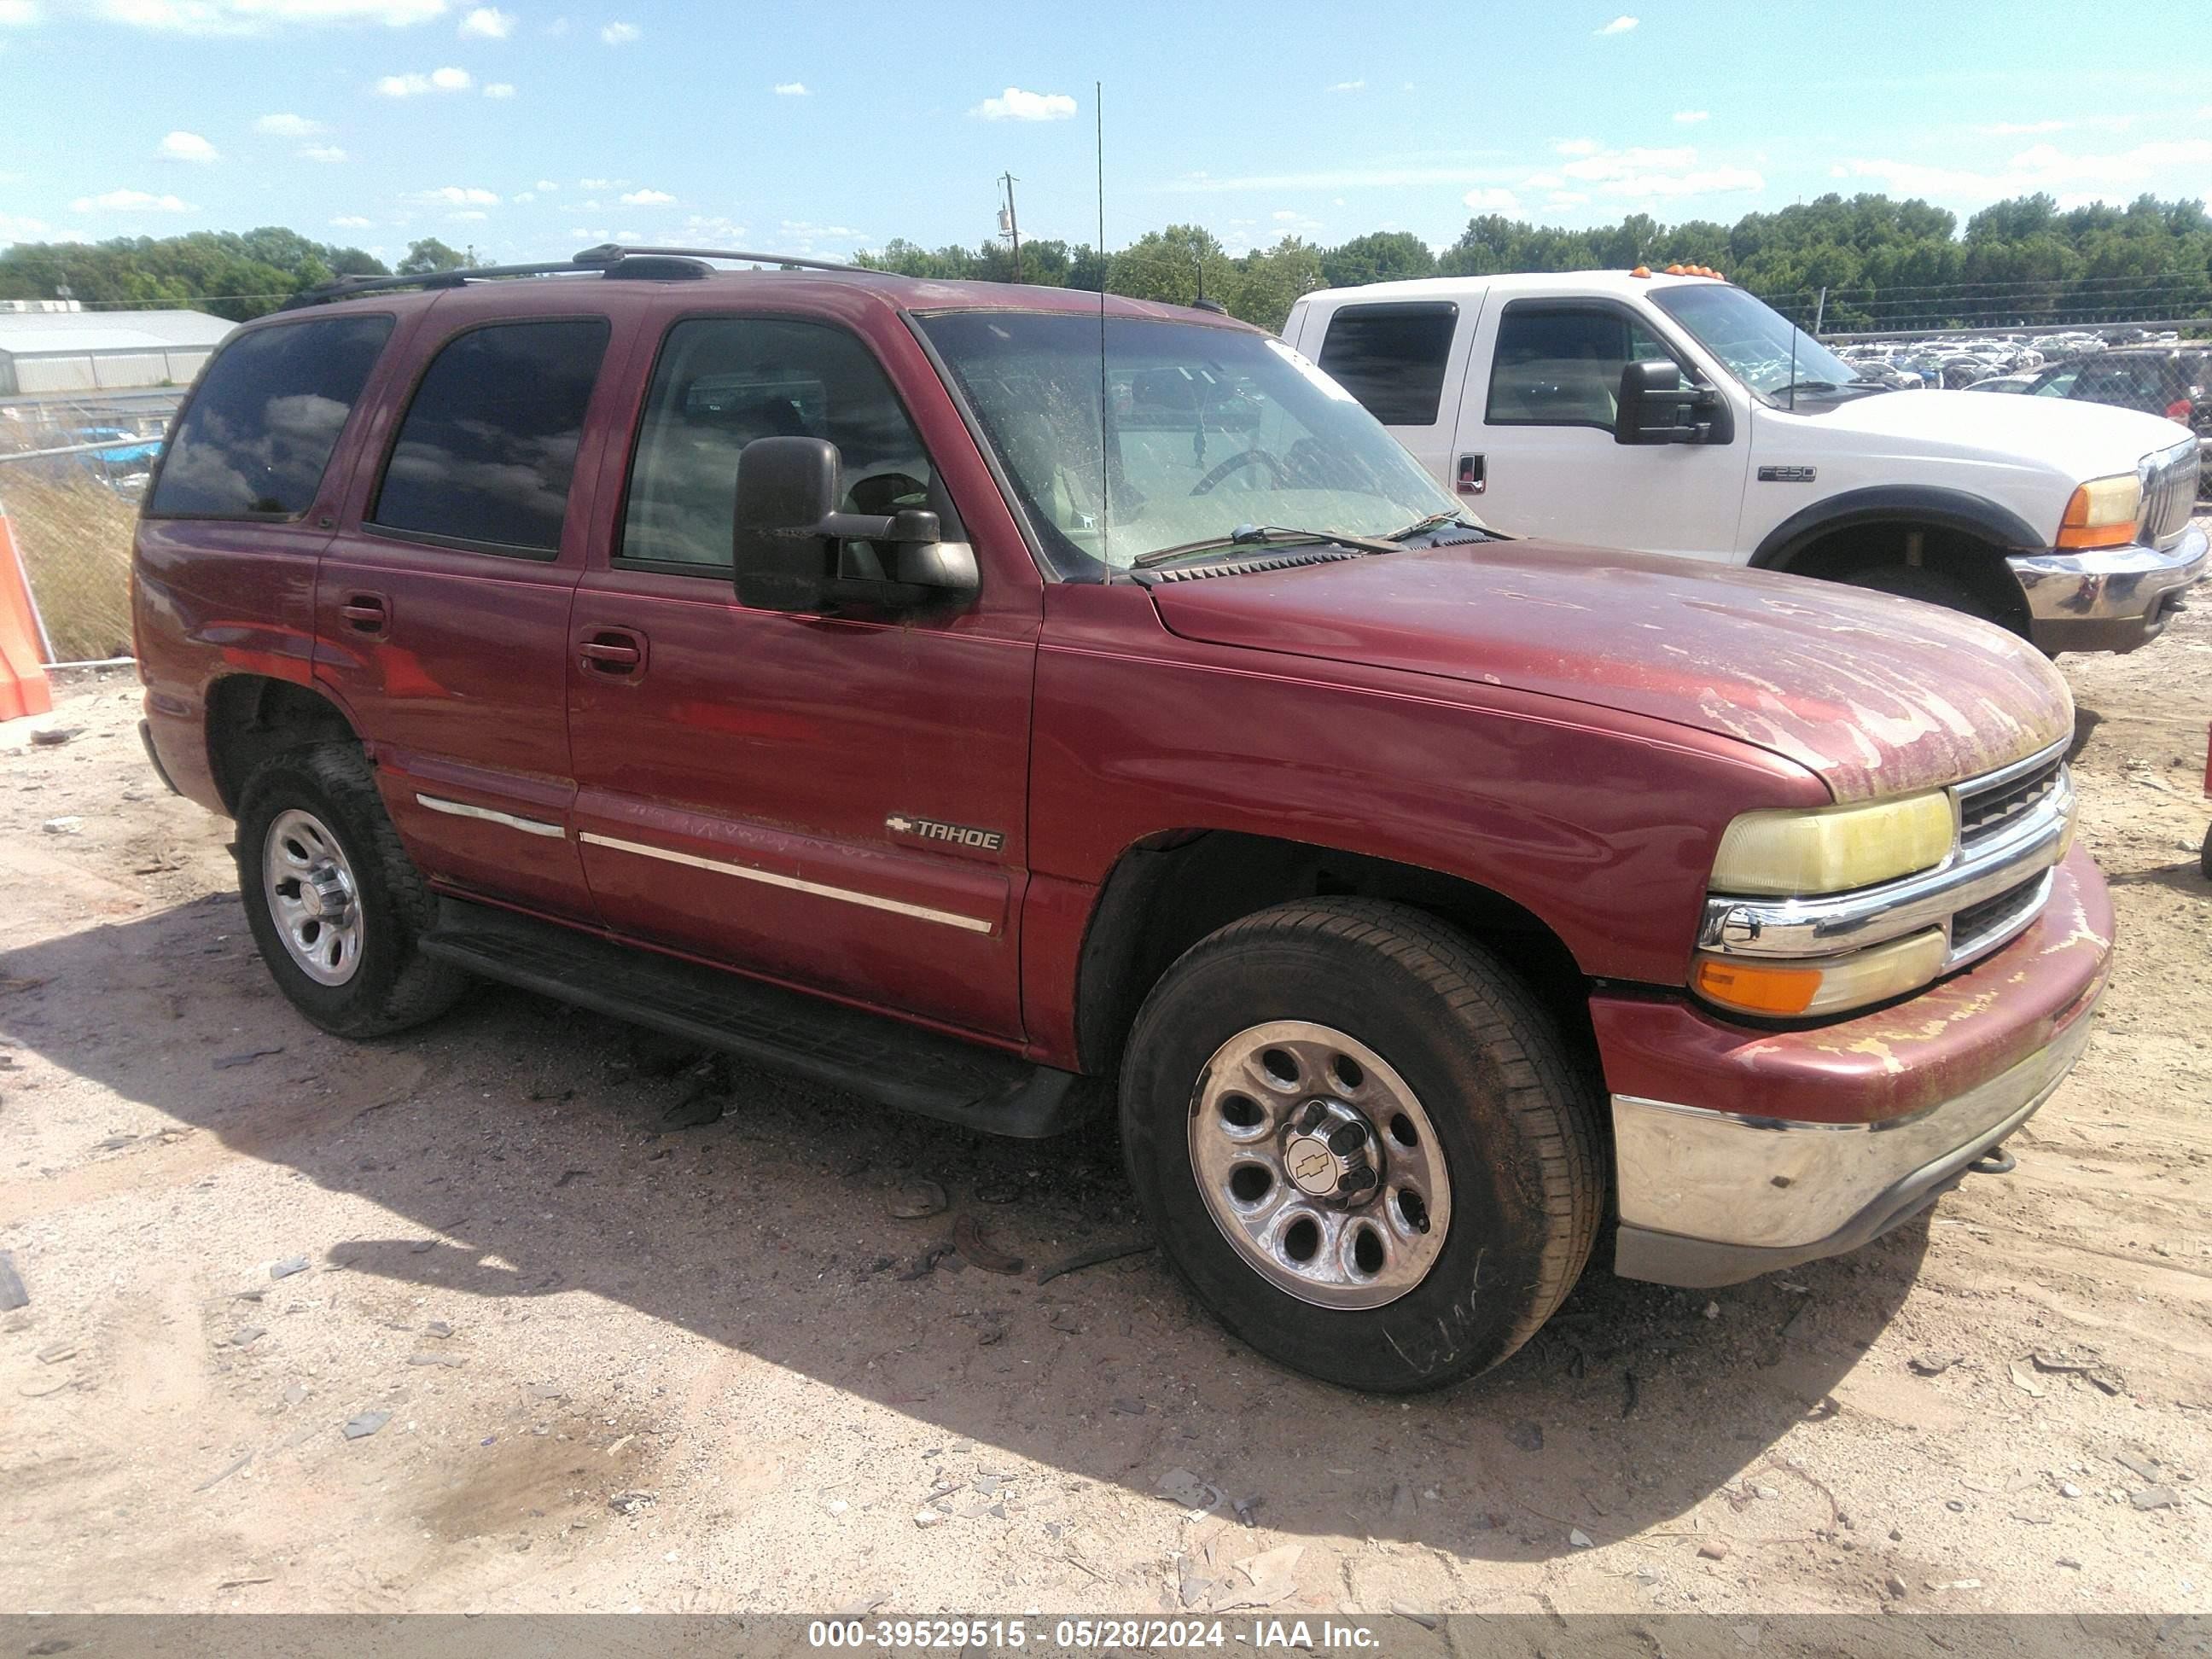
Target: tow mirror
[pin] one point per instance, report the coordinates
(1654, 407)
(789, 543)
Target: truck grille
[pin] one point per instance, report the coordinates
(1986, 810)
(1976, 927)
(2169, 493)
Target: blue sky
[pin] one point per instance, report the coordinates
(532, 127)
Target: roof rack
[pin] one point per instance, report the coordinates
(607, 259)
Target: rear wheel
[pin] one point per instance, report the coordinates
(335, 903)
(1361, 1142)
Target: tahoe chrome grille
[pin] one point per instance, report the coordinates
(2015, 824)
(1987, 804)
(2169, 492)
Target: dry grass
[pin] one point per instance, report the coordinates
(76, 543)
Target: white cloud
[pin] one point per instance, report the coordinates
(351, 222)
(647, 198)
(546, 186)
(415, 85)
(1640, 173)
(489, 23)
(600, 183)
(18, 14)
(792, 89)
(261, 17)
(328, 153)
(522, 196)
(288, 126)
(620, 34)
(499, 89)
(1620, 25)
(187, 147)
(1015, 105)
(1492, 200)
(1543, 181)
(130, 201)
(457, 196)
(2178, 162)
(1690, 117)
(15, 228)
(1349, 86)
(1577, 147)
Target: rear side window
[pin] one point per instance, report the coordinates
(488, 449)
(1392, 358)
(259, 431)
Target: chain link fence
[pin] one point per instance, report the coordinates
(71, 472)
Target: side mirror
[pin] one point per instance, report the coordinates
(787, 542)
(1654, 406)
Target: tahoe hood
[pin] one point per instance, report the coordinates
(1874, 694)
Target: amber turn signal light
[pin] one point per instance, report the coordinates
(1756, 987)
(2102, 512)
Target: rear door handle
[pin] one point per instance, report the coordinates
(613, 651)
(369, 613)
(1471, 477)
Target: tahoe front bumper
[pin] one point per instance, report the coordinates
(2114, 599)
(1739, 1151)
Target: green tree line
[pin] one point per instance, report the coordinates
(225, 272)
(1863, 262)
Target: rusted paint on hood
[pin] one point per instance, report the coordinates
(1876, 694)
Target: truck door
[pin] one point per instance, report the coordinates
(1536, 427)
(1406, 361)
(442, 605)
(838, 802)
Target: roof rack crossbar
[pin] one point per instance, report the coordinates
(602, 259)
(608, 253)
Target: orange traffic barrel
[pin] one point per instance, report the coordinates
(23, 688)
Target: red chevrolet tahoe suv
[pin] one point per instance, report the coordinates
(973, 697)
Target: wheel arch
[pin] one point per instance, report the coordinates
(1962, 535)
(1171, 890)
(251, 717)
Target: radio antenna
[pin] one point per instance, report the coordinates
(1105, 497)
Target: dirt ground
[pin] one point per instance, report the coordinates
(632, 1365)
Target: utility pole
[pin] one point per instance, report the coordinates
(1010, 224)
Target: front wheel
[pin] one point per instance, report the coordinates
(1362, 1143)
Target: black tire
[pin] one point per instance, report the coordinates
(1518, 1122)
(394, 985)
(1930, 587)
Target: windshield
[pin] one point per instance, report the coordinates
(1207, 429)
(1754, 339)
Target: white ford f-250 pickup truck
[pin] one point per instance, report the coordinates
(1678, 414)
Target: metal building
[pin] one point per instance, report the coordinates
(46, 352)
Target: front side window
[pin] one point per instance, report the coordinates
(1194, 431)
(258, 433)
(1560, 365)
(1391, 357)
(722, 382)
(489, 447)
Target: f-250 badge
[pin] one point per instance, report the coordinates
(959, 835)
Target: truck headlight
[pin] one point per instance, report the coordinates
(2102, 512)
(1831, 849)
(1794, 990)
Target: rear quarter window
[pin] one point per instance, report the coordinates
(258, 433)
(1392, 358)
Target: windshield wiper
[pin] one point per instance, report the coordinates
(1434, 521)
(1251, 535)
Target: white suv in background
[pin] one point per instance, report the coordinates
(1678, 414)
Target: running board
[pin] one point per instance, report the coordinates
(882, 1059)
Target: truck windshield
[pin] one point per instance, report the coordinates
(1206, 429)
(1754, 340)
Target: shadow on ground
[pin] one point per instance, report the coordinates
(525, 1147)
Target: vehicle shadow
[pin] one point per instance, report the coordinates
(523, 1145)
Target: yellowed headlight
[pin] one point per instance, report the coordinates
(1833, 849)
(2102, 512)
(1796, 990)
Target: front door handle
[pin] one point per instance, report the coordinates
(1471, 477)
(613, 651)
